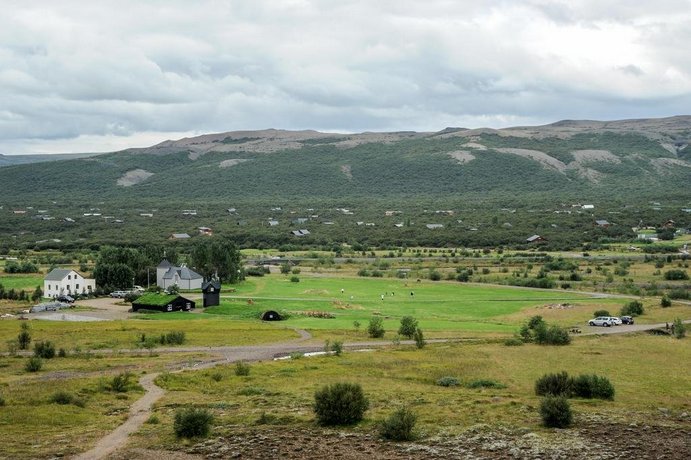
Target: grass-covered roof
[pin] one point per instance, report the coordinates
(153, 298)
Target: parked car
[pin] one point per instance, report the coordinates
(118, 294)
(65, 298)
(605, 321)
(616, 321)
(627, 319)
(138, 289)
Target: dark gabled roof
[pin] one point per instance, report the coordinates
(57, 274)
(164, 264)
(216, 284)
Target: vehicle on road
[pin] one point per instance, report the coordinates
(65, 298)
(616, 321)
(627, 319)
(118, 294)
(605, 321)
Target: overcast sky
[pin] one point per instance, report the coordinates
(83, 76)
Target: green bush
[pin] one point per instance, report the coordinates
(24, 337)
(557, 336)
(554, 385)
(153, 420)
(62, 353)
(679, 328)
(337, 347)
(665, 302)
(2, 401)
(120, 383)
(340, 404)
(673, 275)
(485, 383)
(593, 386)
(448, 381)
(191, 423)
(634, 308)
(408, 326)
(172, 338)
(242, 369)
(61, 397)
(513, 342)
(375, 328)
(294, 279)
(420, 341)
(556, 412)
(34, 364)
(399, 425)
(601, 313)
(44, 350)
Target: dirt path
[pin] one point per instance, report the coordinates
(141, 409)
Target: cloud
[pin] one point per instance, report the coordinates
(72, 72)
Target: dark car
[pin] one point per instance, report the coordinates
(65, 298)
(627, 320)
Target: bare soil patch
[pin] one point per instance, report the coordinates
(134, 177)
(462, 156)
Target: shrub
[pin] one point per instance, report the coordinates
(44, 350)
(242, 369)
(448, 381)
(601, 313)
(557, 336)
(153, 420)
(375, 328)
(556, 412)
(34, 364)
(61, 397)
(634, 308)
(399, 425)
(120, 383)
(665, 302)
(672, 275)
(340, 404)
(24, 337)
(419, 339)
(679, 328)
(435, 275)
(337, 347)
(554, 385)
(2, 400)
(408, 326)
(294, 279)
(679, 294)
(513, 342)
(191, 422)
(593, 386)
(485, 383)
(62, 353)
(173, 338)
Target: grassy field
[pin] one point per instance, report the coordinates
(23, 281)
(647, 372)
(439, 306)
(125, 334)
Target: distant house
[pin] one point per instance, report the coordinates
(535, 239)
(205, 231)
(602, 223)
(189, 212)
(434, 226)
(232, 210)
(669, 224)
(179, 236)
(273, 223)
(168, 275)
(302, 232)
(146, 214)
(588, 206)
(62, 281)
(162, 302)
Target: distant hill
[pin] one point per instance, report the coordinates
(614, 163)
(8, 160)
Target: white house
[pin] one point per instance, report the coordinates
(61, 281)
(167, 275)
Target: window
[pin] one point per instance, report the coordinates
(69, 277)
(76, 287)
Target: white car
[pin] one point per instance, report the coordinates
(605, 321)
(616, 321)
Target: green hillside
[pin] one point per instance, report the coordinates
(474, 173)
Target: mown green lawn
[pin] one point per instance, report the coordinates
(439, 306)
(27, 282)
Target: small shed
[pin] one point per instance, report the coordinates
(162, 302)
(271, 316)
(211, 292)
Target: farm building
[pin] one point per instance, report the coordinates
(535, 239)
(167, 275)
(63, 281)
(162, 302)
(211, 290)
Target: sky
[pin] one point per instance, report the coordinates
(95, 76)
